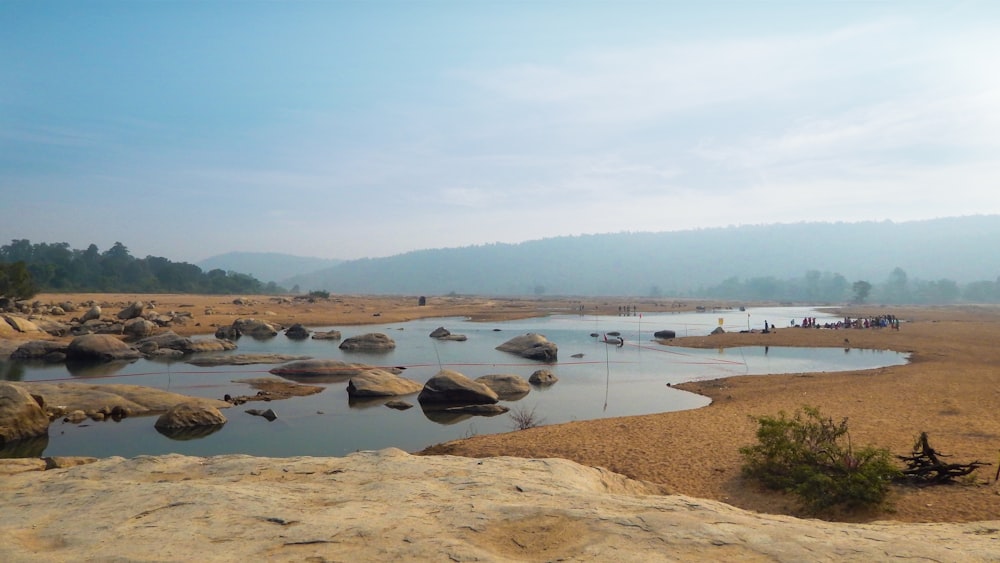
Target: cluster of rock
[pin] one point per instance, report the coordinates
(108, 348)
(137, 319)
(139, 331)
(27, 409)
(448, 390)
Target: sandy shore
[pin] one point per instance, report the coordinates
(950, 389)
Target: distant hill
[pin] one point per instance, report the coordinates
(680, 263)
(266, 266)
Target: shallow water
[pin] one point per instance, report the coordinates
(607, 381)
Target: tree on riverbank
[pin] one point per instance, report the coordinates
(30, 268)
(16, 282)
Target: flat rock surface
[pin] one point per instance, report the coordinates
(390, 505)
(138, 399)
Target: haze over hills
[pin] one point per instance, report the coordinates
(678, 263)
(266, 266)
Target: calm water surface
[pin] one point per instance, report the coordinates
(606, 381)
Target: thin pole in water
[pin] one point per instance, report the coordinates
(607, 381)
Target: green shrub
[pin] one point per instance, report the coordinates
(806, 455)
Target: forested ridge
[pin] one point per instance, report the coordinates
(936, 261)
(55, 267)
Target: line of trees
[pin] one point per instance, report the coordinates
(58, 268)
(825, 287)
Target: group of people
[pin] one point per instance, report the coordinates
(876, 321)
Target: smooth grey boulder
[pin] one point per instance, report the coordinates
(322, 371)
(243, 359)
(92, 314)
(371, 342)
(380, 383)
(531, 346)
(139, 328)
(441, 333)
(21, 324)
(269, 414)
(328, 335)
(55, 328)
(228, 332)
(165, 340)
(255, 328)
(543, 378)
(297, 332)
(508, 386)
(100, 347)
(21, 415)
(209, 345)
(134, 310)
(451, 387)
(40, 350)
(398, 405)
(186, 415)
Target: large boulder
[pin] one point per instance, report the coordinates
(92, 314)
(297, 332)
(21, 324)
(543, 378)
(165, 340)
(100, 347)
(209, 345)
(134, 310)
(380, 383)
(371, 342)
(508, 386)
(441, 333)
(451, 387)
(255, 328)
(52, 327)
(21, 415)
(40, 350)
(531, 346)
(186, 415)
(321, 371)
(328, 335)
(139, 328)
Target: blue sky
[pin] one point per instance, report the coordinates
(352, 129)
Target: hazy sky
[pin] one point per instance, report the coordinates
(350, 129)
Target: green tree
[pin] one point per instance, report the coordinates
(861, 291)
(16, 282)
(897, 286)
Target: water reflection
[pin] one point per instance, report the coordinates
(438, 413)
(362, 403)
(190, 433)
(12, 371)
(28, 447)
(85, 369)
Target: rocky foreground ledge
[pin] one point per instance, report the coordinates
(390, 505)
